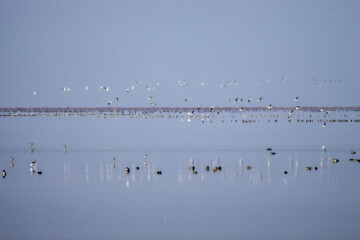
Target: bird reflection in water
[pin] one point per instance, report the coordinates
(67, 173)
(268, 170)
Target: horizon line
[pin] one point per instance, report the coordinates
(171, 109)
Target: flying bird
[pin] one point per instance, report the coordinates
(35, 92)
(187, 99)
(65, 89)
(105, 88)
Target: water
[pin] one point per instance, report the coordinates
(81, 195)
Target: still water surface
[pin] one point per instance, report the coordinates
(85, 194)
(81, 195)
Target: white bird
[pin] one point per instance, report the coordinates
(35, 92)
(296, 99)
(127, 90)
(32, 163)
(202, 84)
(270, 106)
(180, 83)
(105, 88)
(297, 108)
(324, 124)
(150, 98)
(65, 89)
(323, 148)
(260, 99)
(249, 100)
(109, 102)
(86, 88)
(187, 99)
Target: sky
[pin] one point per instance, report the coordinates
(272, 49)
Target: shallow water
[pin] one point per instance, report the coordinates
(81, 195)
(85, 194)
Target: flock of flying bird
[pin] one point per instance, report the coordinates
(179, 83)
(184, 83)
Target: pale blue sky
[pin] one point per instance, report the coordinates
(47, 45)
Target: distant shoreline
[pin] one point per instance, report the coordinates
(171, 109)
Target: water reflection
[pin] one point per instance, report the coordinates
(250, 187)
(269, 170)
